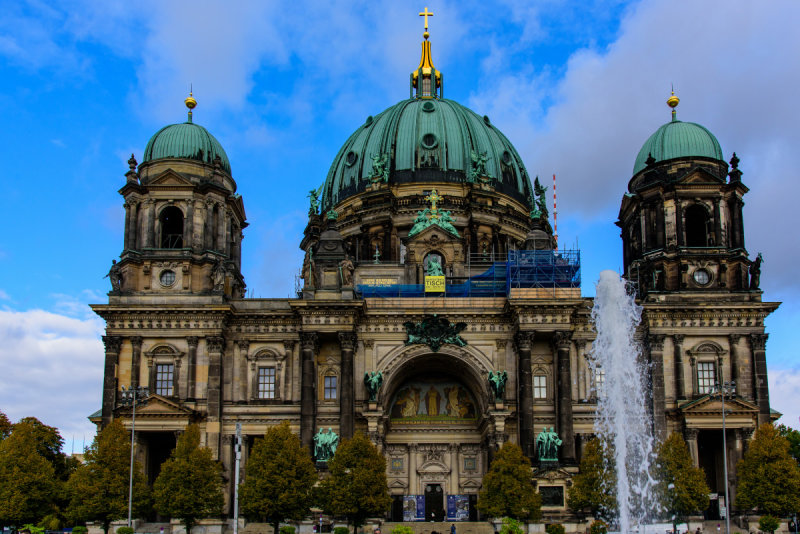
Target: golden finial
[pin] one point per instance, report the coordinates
(672, 102)
(190, 103)
(426, 14)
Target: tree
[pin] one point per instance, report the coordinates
(769, 478)
(279, 478)
(98, 490)
(5, 426)
(793, 437)
(594, 485)
(356, 488)
(681, 485)
(49, 444)
(189, 486)
(28, 486)
(507, 487)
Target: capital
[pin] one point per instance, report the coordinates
(677, 339)
(562, 339)
(308, 340)
(656, 342)
(113, 344)
(524, 340)
(192, 341)
(347, 340)
(136, 342)
(215, 343)
(758, 341)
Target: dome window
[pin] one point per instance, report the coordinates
(429, 141)
(507, 157)
(171, 220)
(428, 106)
(351, 158)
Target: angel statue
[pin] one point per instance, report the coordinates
(314, 195)
(373, 382)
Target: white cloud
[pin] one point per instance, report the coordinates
(784, 385)
(52, 369)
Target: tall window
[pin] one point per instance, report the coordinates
(599, 382)
(706, 377)
(165, 374)
(539, 387)
(696, 226)
(171, 227)
(266, 382)
(330, 387)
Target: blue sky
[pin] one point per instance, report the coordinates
(576, 86)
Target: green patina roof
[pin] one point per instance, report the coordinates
(678, 139)
(185, 140)
(404, 129)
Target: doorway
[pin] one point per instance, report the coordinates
(434, 502)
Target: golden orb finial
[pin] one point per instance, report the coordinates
(190, 103)
(673, 102)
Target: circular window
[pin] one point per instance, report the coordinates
(368, 122)
(429, 140)
(167, 278)
(702, 277)
(428, 106)
(486, 119)
(507, 157)
(351, 158)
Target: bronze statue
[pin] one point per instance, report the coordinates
(497, 382)
(755, 272)
(373, 383)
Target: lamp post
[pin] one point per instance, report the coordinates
(726, 388)
(132, 396)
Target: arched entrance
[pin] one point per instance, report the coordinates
(437, 430)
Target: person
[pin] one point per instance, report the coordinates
(452, 528)
(718, 529)
(698, 531)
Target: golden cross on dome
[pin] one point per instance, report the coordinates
(433, 198)
(426, 14)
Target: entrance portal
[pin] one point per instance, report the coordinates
(434, 502)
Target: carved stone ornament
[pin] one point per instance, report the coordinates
(434, 331)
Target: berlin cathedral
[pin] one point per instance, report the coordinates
(437, 313)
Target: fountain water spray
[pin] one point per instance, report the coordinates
(622, 420)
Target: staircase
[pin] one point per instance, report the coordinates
(442, 527)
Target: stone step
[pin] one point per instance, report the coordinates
(442, 527)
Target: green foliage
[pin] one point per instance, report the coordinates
(793, 437)
(280, 475)
(49, 444)
(125, 530)
(98, 490)
(343, 530)
(28, 485)
(33, 529)
(402, 529)
(286, 529)
(507, 487)
(598, 526)
(5, 426)
(593, 487)
(50, 522)
(769, 478)
(555, 529)
(189, 486)
(511, 526)
(674, 466)
(357, 487)
(80, 530)
(769, 523)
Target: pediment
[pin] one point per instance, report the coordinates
(433, 467)
(712, 406)
(697, 175)
(551, 475)
(434, 234)
(170, 178)
(158, 406)
(470, 483)
(398, 483)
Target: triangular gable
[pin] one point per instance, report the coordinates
(398, 483)
(470, 483)
(712, 406)
(698, 175)
(158, 406)
(170, 178)
(434, 232)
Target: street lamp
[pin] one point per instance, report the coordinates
(131, 397)
(726, 388)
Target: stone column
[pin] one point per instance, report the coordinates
(215, 346)
(717, 224)
(580, 347)
(562, 342)
(412, 469)
(733, 340)
(690, 434)
(227, 230)
(308, 343)
(130, 223)
(136, 357)
(758, 345)
(113, 344)
(209, 225)
(677, 343)
(191, 368)
(220, 228)
(188, 225)
(656, 344)
(347, 341)
(288, 348)
(149, 223)
(227, 455)
(454, 468)
(242, 386)
(177, 384)
(524, 340)
(679, 222)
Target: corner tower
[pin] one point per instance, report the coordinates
(183, 218)
(681, 219)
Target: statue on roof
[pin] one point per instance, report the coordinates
(477, 170)
(755, 272)
(540, 208)
(446, 222)
(380, 168)
(115, 276)
(313, 196)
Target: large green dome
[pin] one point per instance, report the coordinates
(186, 140)
(678, 139)
(425, 140)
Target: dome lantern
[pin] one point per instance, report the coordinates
(426, 79)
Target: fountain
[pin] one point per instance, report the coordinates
(622, 418)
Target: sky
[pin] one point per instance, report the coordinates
(576, 86)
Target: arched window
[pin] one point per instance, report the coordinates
(696, 226)
(171, 219)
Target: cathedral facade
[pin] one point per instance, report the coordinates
(437, 313)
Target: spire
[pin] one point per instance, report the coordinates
(426, 79)
(672, 102)
(190, 103)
